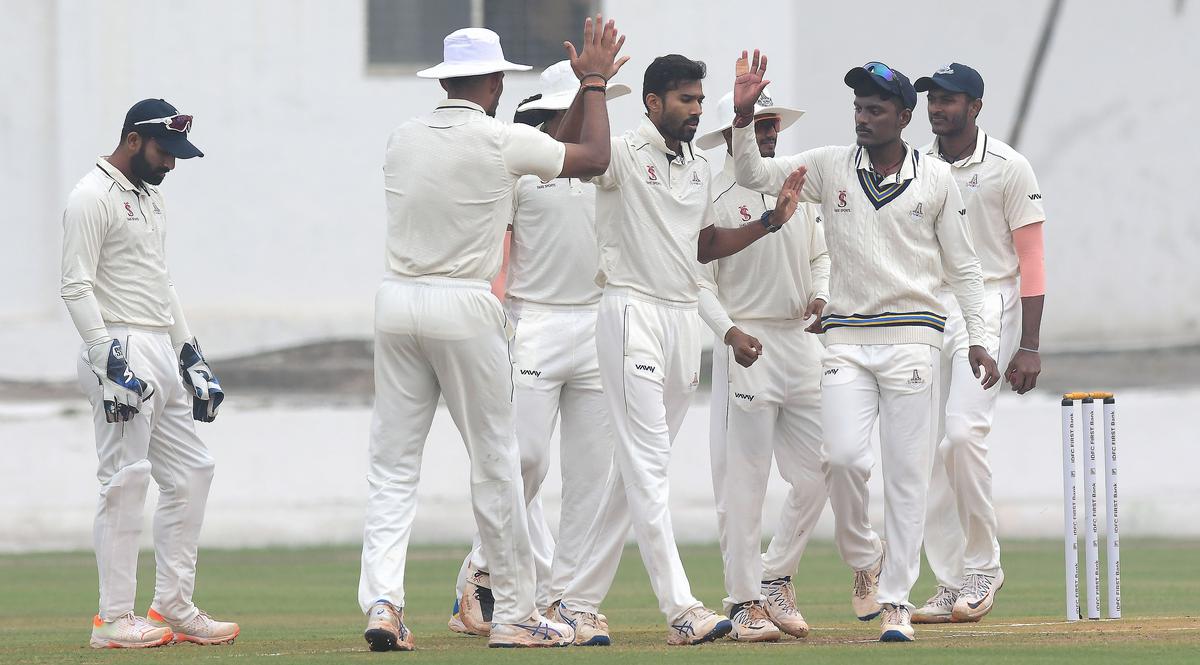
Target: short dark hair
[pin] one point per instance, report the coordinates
(668, 71)
(868, 90)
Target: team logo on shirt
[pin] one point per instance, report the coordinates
(916, 381)
(918, 213)
(695, 178)
(841, 205)
(650, 172)
(744, 211)
(973, 183)
(129, 210)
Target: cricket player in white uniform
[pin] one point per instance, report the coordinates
(1004, 206)
(654, 219)
(766, 395)
(450, 178)
(894, 224)
(551, 295)
(146, 379)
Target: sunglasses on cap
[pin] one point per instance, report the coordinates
(881, 70)
(177, 123)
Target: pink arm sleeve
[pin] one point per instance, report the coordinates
(1031, 256)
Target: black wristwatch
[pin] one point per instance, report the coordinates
(765, 220)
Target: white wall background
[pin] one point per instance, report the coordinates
(277, 234)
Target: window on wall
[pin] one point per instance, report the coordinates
(406, 35)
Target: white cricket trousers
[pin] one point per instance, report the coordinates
(558, 381)
(894, 384)
(960, 526)
(160, 442)
(773, 406)
(649, 352)
(442, 336)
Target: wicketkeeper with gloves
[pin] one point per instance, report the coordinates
(147, 380)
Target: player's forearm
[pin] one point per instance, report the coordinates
(819, 266)
(590, 157)
(717, 243)
(85, 314)
(571, 125)
(713, 313)
(1031, 322)
(751, 169)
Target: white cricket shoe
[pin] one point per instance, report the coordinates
(781, 606)
(938, 608)
(752, 624)
(896, 625)
(536, 631)
(866, 584)
(128, 631)
(590, 630)
(475, 606)
(976, 598)
(552, 610)
(201, 629)
(697, 625)
(386, 630)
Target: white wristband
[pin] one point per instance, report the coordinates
(1023, 348)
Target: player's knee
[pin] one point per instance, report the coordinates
(961, 433)
(130, 475)
(842, 462)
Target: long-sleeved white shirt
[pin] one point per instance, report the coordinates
(773, 279)
(114, 268)
(554, 255)
(650, 207)
(890, 241)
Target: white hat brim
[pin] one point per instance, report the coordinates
(560, 101)
(449, 71)
(715, 138)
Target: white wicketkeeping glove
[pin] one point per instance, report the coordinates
(199, 378)
(123, 392)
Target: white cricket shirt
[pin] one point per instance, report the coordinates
(1002, 195)
(890, 241)
(553, 255)
(650, 207)
(776, 277)
(449, 178)
(114, 248)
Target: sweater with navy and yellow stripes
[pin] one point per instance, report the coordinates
(892, 240)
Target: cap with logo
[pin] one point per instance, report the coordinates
(165, 124)
(559, 85)
(764, 105)
(471, 52)
(885, 78)
(955, 77)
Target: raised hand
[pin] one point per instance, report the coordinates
(749, 83)
(601, 44)
(789, 197)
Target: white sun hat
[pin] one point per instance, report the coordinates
(764, 105)
(471, 52)
(559, 86)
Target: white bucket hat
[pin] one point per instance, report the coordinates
(559, 86)
(764, 105)
(471, 52)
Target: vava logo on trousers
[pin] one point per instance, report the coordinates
(644, 368)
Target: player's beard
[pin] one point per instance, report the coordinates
(683, 131)
(142, 169)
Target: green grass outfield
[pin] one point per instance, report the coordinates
(299, 606)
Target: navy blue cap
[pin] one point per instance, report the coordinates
(955, 77)
(884, 78)
(173, 141)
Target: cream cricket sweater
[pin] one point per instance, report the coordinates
(890, 241)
